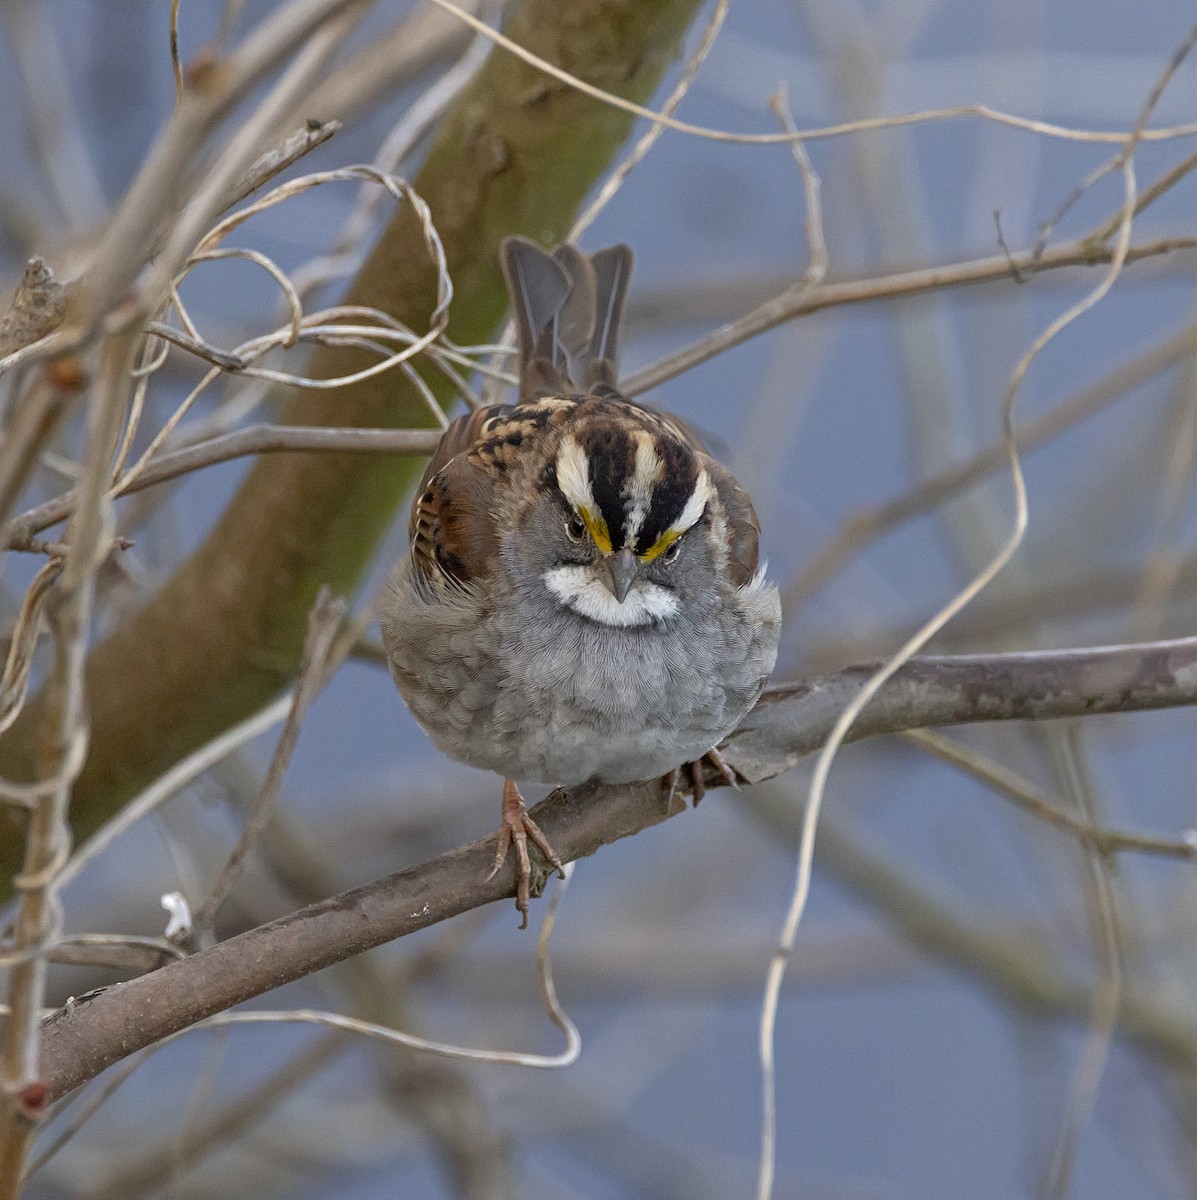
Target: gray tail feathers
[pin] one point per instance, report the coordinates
(567, 308)
(612, 270)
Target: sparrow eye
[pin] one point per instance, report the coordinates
(672, 551)
(575, 527)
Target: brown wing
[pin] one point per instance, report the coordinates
(743, 528)
(453, 530)
(452, 527)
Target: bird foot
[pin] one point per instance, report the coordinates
(672, 782)
(515, 829)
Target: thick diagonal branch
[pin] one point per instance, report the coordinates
(790, 721)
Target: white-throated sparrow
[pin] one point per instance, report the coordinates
(583, 598)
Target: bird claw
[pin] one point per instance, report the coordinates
(672, 781)
(516, 828)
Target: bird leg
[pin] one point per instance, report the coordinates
(516, 828)
(672, 781)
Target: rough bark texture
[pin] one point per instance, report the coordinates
(517, 154)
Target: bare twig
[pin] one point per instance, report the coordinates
(57, 133)
(1015, 273)
(212, 752)
(346, 253)
(276, 160)
(239, 157)
(424, 38)
(323, 622)
(155, 193)
(515, 1058)
(1023, 969)
(1106, 1002)
(176, 59)
(1038, 803)
(179, 776)
(1048, 227)
(255, 439)
(982, 111)
(37, 308)
(40, 407)
(114, 951)
(1162, 563)
(635, 156)
(1109, 227)
(205, 350)
(919, 639)
(47, 838)
(1149, 195)
(816, 243)
(798, 302)
(153, 1172)
(870, 524)
(15, 681)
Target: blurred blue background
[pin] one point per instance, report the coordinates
(913, 1060)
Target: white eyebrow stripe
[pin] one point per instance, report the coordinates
(695, 506)
(638, 489)
(573, 475)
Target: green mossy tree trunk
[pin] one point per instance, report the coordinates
(517, 154)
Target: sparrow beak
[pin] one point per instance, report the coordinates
(621, 570)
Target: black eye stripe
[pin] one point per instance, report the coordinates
(679, 476)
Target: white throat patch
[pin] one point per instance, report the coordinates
(578, 588)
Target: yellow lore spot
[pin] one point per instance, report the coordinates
(661, 544)
(597, 528)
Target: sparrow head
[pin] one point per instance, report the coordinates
(628, 491)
